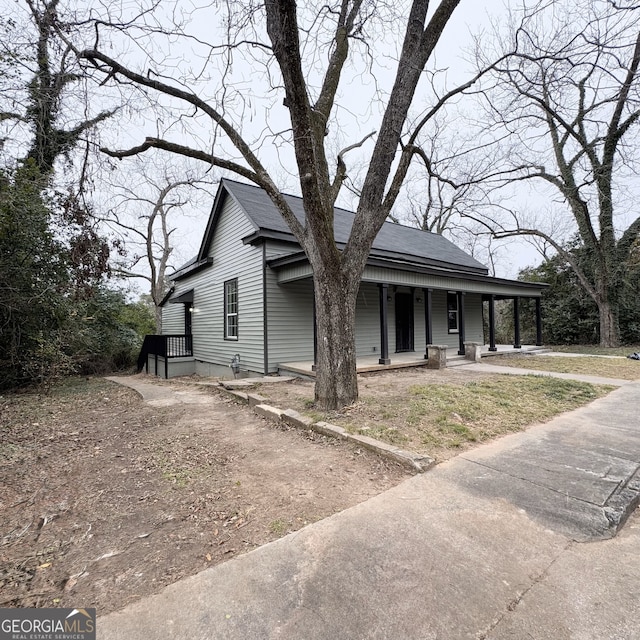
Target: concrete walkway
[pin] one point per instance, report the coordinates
(483, 367)
(484, 546)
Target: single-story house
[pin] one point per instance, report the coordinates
(248, 294)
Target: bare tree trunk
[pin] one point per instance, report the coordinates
(158, 313)
(336, 382)
(609, 329)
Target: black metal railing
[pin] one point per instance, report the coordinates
(165, 346)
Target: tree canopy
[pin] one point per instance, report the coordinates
(564, 107)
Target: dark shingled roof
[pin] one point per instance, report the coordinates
(394, 241)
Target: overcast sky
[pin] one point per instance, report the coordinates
(357, 119)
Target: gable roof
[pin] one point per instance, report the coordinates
(393, 242)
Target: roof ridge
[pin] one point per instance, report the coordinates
(353, 213)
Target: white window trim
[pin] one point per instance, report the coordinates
(235, 314)
(456, 311)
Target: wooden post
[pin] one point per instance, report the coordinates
(461, 338)
(516, 323)
(492, 323)
(384, 336)
(428, 319)
(538, 323)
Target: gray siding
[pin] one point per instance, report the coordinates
(290, 321)
(289, 313)
(368, 320)
(173, 317)
(277, 249)
(231, 259)
(472, 320)
(439, 320)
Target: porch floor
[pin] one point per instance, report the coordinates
(370, 363)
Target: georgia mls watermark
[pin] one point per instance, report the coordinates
(47, 624)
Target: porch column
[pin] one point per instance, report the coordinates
(315, 330)
(516, 323)
(461, 337)
(492, 323)
(428, 319)
(384, 337)
(538, 324)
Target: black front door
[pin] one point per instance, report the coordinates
(404, 322)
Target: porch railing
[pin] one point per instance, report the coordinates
(165, 346)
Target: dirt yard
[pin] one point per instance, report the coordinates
(104, 499)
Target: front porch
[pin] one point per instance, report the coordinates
(367, 364)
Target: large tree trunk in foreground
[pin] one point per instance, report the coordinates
(336, 383)
(609, 328)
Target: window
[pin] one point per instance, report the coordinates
(231, 309)
(452, 312)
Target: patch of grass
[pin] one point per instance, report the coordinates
(279, 527)
(440, 414)
(317, 416)
(596, 350)
(178, 477)
(440, 417)
(448, 416)
(623, 369)
(392, 435)
(10, 453)
(80, 385)
(173, 470)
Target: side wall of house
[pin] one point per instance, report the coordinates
(173, 317)
(289, 314)
(368, 320)
(231, 260)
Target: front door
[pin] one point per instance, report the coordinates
(404, 322)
